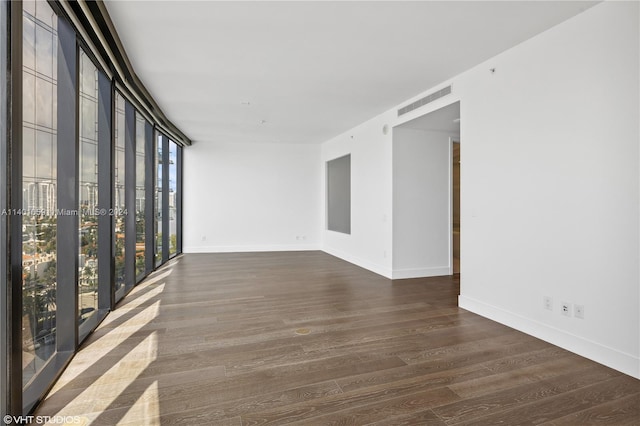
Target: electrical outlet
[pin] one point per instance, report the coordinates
(565, 308)
(578, 311)
(547, 302)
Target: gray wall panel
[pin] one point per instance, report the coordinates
(339, 194)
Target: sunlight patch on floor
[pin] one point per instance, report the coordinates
(146, 410)
(112, 384)
(88, 357)
(135, 302)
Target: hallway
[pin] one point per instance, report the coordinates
(306, 338)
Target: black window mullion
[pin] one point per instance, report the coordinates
(67, 192)
(149, 209)
(106, 299)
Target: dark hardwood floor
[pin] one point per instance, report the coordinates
(305, 338)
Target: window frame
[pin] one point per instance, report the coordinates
(104, 155)
(67, 225)
(16, 398)
(5, 221)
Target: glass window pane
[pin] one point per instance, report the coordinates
(44, 49)
(46, 16)
(39, 189)
(28, 152)
(88, 163)
(158, 203)
(173, 194)
(29, 7)
(119, 185)
(44, 154)
(28, 41)
(89, 117)
(140, 195)
(28, 96)
(88, 76)
(88, 196)
(45, 98)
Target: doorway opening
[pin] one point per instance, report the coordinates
(455, 197)
(423, 192)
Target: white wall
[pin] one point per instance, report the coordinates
(252, 197)
(421, 203)
(550, 185)
(369, 244)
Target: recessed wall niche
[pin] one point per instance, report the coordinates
(339, 194)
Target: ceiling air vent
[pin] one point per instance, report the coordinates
(427, 99)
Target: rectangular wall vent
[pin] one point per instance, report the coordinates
(427, 99)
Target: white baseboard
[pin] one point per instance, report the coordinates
(399, 274)
(623, 362)
(370, 266)
(251, 248)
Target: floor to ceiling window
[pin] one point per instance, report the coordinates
(158, 203)
(88, 196)
(119, 182)
(173, 198)
(141, 127)
(167, 199)
(39, 182)
(78, 182)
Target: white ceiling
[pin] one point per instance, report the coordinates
(303, 72)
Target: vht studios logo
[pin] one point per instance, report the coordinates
(40, 420)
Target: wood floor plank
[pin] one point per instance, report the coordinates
(420, 418)
(588, 397)
(305, 338)
(61, 397)
(621, 411)
(519, 369)
(388, 408)
(307, 412)
(443, 377)
(213, 413)
(502, 400)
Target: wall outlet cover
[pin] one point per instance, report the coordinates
(547, 303)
